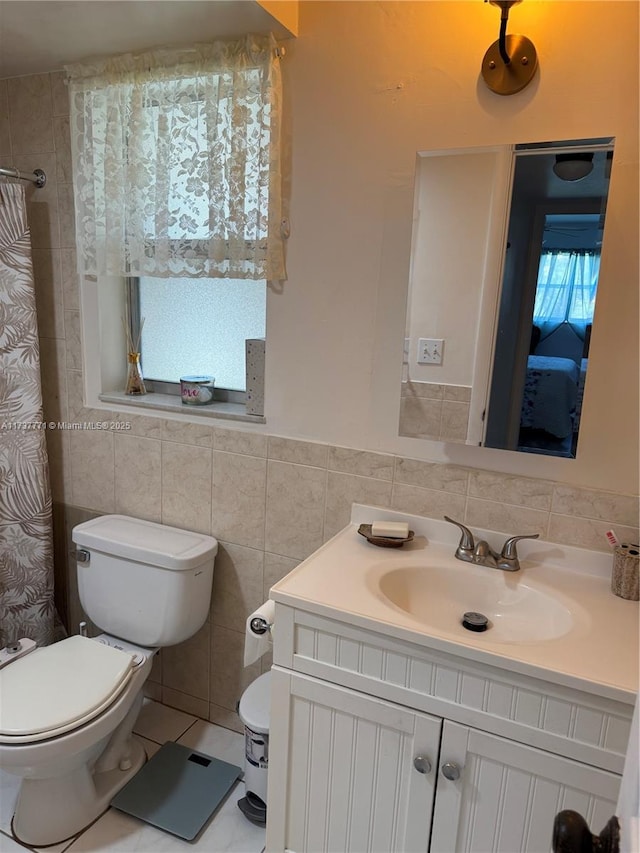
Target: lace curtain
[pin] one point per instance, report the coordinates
(176, 162)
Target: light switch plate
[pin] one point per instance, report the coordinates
(430, 350)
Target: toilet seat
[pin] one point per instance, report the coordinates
(60, 687)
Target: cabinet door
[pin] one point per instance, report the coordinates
(508, 794)
(341, 770)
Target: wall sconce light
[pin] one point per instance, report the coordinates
(511, 62)
(573, 167)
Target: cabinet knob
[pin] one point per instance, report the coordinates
(422, 764)
(450, 771)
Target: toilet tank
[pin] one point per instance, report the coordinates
(144, 582)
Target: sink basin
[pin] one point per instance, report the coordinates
(438, 596)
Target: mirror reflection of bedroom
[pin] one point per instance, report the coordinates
(548, 297)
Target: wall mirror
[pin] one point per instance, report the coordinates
(503, 283)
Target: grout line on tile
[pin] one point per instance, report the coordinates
(15, 840)
(75, 838)
(325, 502)
(264, 517)
(189, 727)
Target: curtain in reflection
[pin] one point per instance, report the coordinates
(26, 546)
(566, 290)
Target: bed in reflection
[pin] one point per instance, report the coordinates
(550, 395)
(552, 403)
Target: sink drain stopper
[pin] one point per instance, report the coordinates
(475, 621)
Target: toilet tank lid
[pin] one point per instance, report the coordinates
(145, 542)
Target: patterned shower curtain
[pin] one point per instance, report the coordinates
(26, 545)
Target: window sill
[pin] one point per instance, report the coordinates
(155, 402)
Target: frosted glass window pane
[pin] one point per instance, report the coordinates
(199, 326)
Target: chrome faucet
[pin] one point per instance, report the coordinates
(482, 554)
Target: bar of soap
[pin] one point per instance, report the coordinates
(390, 529)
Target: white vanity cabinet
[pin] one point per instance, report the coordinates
(365, 729)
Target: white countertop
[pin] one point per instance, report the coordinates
(599, 653)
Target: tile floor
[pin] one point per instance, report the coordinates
(116, 832)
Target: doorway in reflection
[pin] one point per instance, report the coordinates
(547, 302)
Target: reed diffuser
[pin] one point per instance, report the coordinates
(135, 382)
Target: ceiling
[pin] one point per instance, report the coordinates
(44, 35)
(535, 178)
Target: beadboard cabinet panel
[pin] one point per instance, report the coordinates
(351, 785)
(508, 793)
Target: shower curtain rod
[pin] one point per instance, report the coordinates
(38, 177)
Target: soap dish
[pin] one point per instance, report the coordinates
(383, 541)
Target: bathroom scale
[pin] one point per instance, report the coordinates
(177, 790)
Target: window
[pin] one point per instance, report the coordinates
(566, 289)
(177, 191)
(198, 326)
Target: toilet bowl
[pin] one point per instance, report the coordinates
(68, 709)
(72, 748)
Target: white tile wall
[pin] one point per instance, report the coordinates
(431, 410)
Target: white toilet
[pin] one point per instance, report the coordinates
(67, 710)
